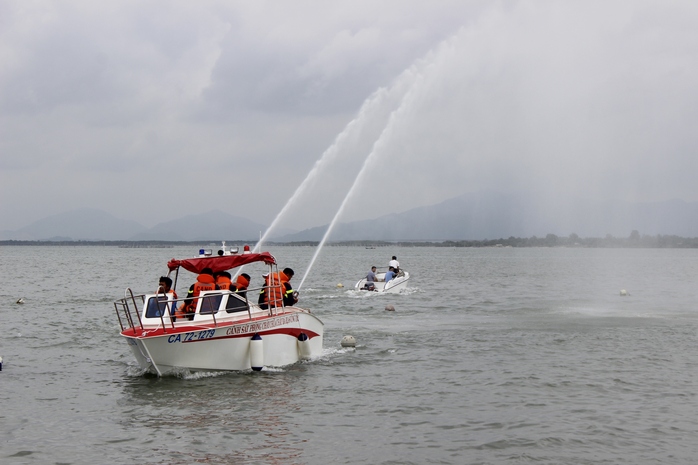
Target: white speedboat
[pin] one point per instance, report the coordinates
(395, 285)
(228, 330)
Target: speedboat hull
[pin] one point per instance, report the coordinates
(286, 338)
(218, 330)
(393, 286)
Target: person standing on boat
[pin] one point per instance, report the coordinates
(277, 290)
(272, 293)
(371, 279)
(290, 297)
(395, 264)
(204, 282)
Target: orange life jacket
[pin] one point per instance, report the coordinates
(174, 294)
(204, 282)
(241, 283)
(223, 282)
(274, 294)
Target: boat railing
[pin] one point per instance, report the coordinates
(132, 310)
(123, 311)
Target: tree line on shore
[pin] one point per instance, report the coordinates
(634, 240)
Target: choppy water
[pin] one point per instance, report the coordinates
(492, 356)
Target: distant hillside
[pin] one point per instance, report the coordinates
(212, 225)
(487, 215)
(80, 224)
(476, 216)
(90, 224)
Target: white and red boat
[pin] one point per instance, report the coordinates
(394, 286)
(228, 331)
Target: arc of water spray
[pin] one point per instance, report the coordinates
(406, 103)
(369, 106)
(408, 100)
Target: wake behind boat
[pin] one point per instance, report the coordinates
(225, 331)
(394, 286)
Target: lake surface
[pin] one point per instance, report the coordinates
(492, 356)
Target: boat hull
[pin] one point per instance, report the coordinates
(393, 286)
(228, 346)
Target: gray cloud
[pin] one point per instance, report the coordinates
(152, 110)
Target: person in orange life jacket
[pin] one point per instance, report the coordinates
(239, 288)
(290, 297)
(223, 280)
(277, 290)
(204, 282)
(165, 287)
(241, 284)
(272, 293)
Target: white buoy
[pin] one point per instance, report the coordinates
(623, 292)
(389, 308)
(256, 352)
(303, 346)
(340, 285)
(348, 341)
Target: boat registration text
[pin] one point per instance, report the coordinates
(261, 325)
(248, 328)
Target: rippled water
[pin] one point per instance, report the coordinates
(492, 356)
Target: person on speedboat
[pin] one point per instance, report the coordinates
(241, 284)
(239, 287)
(390, 274)
(223, 280)
(395, 264)
(204, 282)
(290, 296)
(165, 287)
(371, 279)
(279, 289)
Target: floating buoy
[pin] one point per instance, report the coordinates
(20, 300)
(304, 346)
(340, 285)
(348, 341)
(623, 292)
(389, 308)
(256, 352)
(0, 363)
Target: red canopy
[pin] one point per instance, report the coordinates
(220, 262)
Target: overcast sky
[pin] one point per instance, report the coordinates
(151, 110)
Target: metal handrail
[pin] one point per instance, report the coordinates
(126, 306)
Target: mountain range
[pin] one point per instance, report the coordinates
(474, 216)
